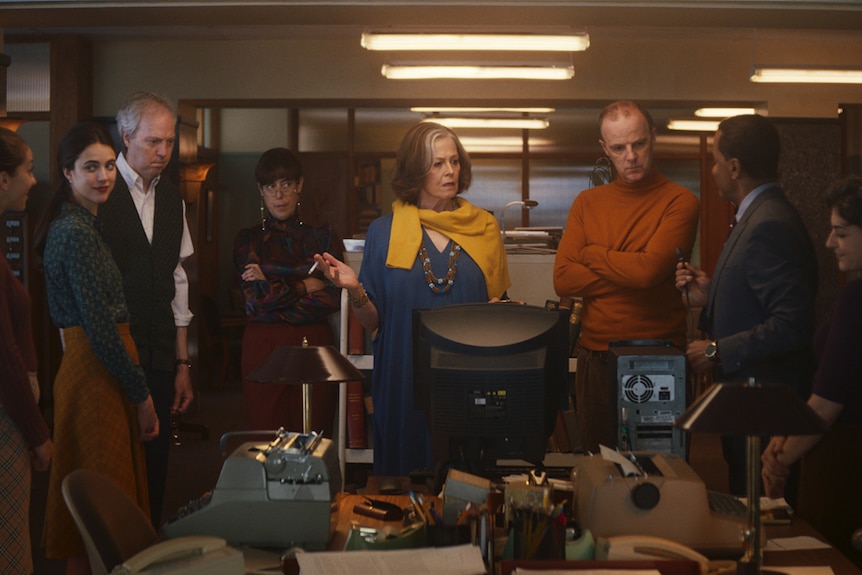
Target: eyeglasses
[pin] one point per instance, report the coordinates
(284, 186)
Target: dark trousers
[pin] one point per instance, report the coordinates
(596, 417)
(161, 385)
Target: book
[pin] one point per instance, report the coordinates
(356, 435)
(355, 335)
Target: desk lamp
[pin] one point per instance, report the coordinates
(752, 410)
(525, 203)
(305, 365)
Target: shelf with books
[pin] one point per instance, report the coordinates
(368, 194)
(354, 403)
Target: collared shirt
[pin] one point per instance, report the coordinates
(145, 203)
(750, 197)
(84, 288)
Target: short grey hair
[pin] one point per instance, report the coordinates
(129, 116)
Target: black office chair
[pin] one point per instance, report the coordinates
(118, 535)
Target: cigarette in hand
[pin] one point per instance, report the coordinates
(314, 267)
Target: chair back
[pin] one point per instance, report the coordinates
(111, 524)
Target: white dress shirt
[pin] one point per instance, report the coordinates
(145, 203)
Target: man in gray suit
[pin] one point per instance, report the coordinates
(758, 308)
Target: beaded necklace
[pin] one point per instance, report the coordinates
(444, 284)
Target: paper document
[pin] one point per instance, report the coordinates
(457, 560)
(821, 570)
(525, 571)
(767, 503)
(795, 543)
(629, 468)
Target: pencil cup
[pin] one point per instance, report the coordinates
(546, 543)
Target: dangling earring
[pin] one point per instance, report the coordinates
(262, 215)
(298, 216)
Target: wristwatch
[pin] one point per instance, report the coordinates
(711, 351)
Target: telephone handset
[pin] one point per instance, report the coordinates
(646, 547)
(169, 549)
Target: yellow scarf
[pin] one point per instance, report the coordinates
(473, 228)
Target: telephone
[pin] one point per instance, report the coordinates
(647, 547)
(197, 553)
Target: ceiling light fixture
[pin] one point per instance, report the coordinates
(495, 123)
(476, 42)
(722, 112)
(693, 125)
(453, 110)
(407, 72)
(798, 75)
(499, 143)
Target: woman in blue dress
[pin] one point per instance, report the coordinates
(435, 249)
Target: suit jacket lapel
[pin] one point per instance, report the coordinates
(735, 234)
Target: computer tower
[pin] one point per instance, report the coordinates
(649, 392)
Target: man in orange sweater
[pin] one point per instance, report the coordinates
(618, 253)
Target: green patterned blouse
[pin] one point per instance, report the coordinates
(85, 289)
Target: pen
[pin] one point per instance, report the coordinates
(465, 513)
(436, 518)
(313, 267)
(418, 506)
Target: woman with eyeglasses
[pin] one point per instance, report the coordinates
(283, 301)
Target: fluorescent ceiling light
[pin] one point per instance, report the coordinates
(673, 140)
(499, 144)
(396, 72)
(477, 42)
(693, 125)
(450, 110)
(806, 75)
(510, 123)
(722, 112)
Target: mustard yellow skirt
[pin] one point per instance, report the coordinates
(96, 428)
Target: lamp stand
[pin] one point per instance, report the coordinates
(752, 561)
(306, 366)
(306, 407)
(306, 399)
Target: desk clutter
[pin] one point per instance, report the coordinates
(282, 495)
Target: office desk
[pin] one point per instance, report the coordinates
(343, 518)
(840, 564)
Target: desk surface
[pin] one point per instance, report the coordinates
(344, 517)
(840, 564)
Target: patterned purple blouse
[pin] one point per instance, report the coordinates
(285, 252)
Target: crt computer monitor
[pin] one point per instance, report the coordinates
(490, 378)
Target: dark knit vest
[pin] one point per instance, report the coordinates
(147, 270)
